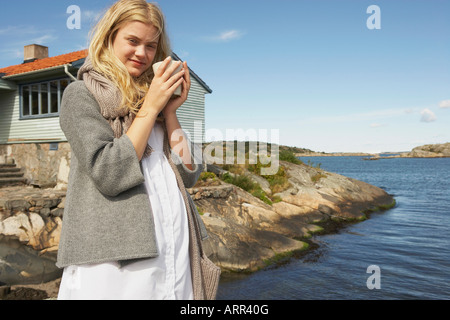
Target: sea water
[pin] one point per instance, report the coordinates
(409, 245)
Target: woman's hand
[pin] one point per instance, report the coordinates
(175, 102)
(161, 90)
(163, 87)
(177, 140)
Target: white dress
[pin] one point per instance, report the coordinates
(166, 277)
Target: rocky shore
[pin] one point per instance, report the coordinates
(245, 233)
(426, 151)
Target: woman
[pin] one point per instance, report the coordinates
(130, 230)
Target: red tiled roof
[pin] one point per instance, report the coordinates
(44, 63)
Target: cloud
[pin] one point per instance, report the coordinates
(18, 30)
(427, 115)
(21, 35)
(44, 39)
(14, 38)
(12, 53)
(183, 54)
(377, 125)
(230, 35)
(91, 16)
(226, 36)
(444, 104)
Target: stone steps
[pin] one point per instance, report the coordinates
(11, 175)
(9, 168)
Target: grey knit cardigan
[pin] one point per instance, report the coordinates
(107, 215)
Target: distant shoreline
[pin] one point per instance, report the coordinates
(426, 151)
(340, 154)
(369, 156)
(405, 157)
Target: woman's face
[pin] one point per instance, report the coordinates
(135, 45)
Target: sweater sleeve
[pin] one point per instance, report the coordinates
(111, 163)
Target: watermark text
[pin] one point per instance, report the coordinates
(374, 21)
(74, 20)
(374, 281)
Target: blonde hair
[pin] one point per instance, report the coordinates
(105, 61)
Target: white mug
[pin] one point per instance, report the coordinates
(156, 66)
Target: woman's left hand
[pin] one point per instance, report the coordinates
(177, 101)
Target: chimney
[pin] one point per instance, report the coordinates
(34, 52)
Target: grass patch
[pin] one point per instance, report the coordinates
(246, 183)
(200, 211)
(207, 179)
(278, 182)
(382, 207)
(319, 175)
(278, 258)
(282, 257)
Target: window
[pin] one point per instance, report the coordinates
(42, 99)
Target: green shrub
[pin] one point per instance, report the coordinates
(289, 156)
(247, 184)
(278, 182)
(241, 181)
(207, 175)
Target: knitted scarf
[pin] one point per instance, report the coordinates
(109, 98)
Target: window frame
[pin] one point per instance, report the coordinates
(39, 85)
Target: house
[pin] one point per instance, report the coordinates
(30, 100)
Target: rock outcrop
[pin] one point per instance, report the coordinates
(430, 151)
(426, 151)
(244, 231)
(30, 227)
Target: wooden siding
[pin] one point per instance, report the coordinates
(192, 113)
(14, 130)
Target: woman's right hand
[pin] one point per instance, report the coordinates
(161, 90)
(163, 86)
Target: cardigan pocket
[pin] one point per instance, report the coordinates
(211, 277)
(210, 272)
